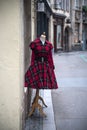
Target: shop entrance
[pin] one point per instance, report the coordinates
(66, 39)
(58, 37)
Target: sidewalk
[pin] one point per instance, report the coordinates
(37, 122)
(70, 100)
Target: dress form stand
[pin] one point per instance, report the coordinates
(35, 104)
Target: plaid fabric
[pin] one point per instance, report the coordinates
(40, 76)
(40, 50)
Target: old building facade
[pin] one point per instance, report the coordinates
(61, 25)
(79, 24)
(70, 25)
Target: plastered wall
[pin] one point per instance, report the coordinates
(11, 65)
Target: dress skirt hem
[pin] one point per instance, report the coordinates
(40, 76)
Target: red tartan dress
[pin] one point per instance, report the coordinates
(40, 74)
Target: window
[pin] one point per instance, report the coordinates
(76, 36)
(58, 4)
(64, 4)
(59, 31)
(67, 5)
(77, 4)
(85, 2)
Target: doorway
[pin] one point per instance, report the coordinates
(84, 37)
(58, 37)
(66, 39)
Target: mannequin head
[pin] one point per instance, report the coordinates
(43, 37)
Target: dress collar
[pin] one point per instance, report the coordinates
(42, 43)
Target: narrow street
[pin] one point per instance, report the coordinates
(70, 100)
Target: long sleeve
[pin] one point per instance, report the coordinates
(50, 60)
(32, 46)
(32, 57)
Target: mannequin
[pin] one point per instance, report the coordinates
(40, 74)
(43, 38)
(35, 103)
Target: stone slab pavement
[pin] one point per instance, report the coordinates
(70, 100)
(37, 122)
